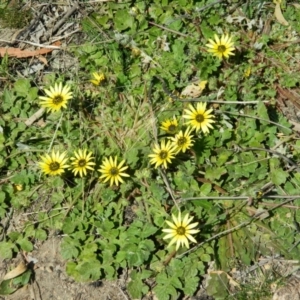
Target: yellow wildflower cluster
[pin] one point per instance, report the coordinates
(55, 163)
(82, 161)
(198, 118)
(59, 95)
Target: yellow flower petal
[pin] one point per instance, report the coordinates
(163, 154)
(113, 172)
(54, 164)
(180, 231)
(82, 162)
(58, 97)
(199, 118)
(223, 47)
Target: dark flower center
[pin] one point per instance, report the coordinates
(181, 230)
(114, 171)
(221, 48)
(81, 163)
(57, 99)
(54, 166)
(163, 154)
(199, 118)
(172, 128)
(181, 141)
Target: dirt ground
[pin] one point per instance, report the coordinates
(51, 281)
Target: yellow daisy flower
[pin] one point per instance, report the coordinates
(170, 125)
(199, 117)
(134, 11)
(135, 51)
(221, 47)
(181, 231)
(163, 154)
(247, 72)
(98, 78)
(183, 141)
(58, 97)
(82, 162)
(54, 164)
(113, 171)
(202, 84)
(17, 187)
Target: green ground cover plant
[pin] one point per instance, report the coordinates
(165, 152)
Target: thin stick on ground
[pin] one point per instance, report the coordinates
(35, 117)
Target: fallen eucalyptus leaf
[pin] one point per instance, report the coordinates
(194, 90)
(21, 268)
(278, 13)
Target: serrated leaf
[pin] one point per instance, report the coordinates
(146, 246)
(190, 285)
(25, 244)
(69, 249)
(205, 257)
(69, 226)
(132, 157)
(79, 235)
(262, 111)
(108, 255)
(121, 256)
(41, 234)
(157, 264)
(22, 86)
(175, 268)
(2, 196)
(163, 292)
(217, 285)
(175, 281)
(135, 258)
(32, 94)
(110, 271)
(213, 173)
(123, 20)
(223, 157)
(279, 177)
(89, 270)
(88, 252)
(136, 287)
(205, 189)
(6, 249)
(71, 268)
(148, 230)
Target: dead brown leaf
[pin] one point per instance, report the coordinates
(16, 52)
(20, 269)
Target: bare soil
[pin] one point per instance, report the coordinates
(50, 280)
